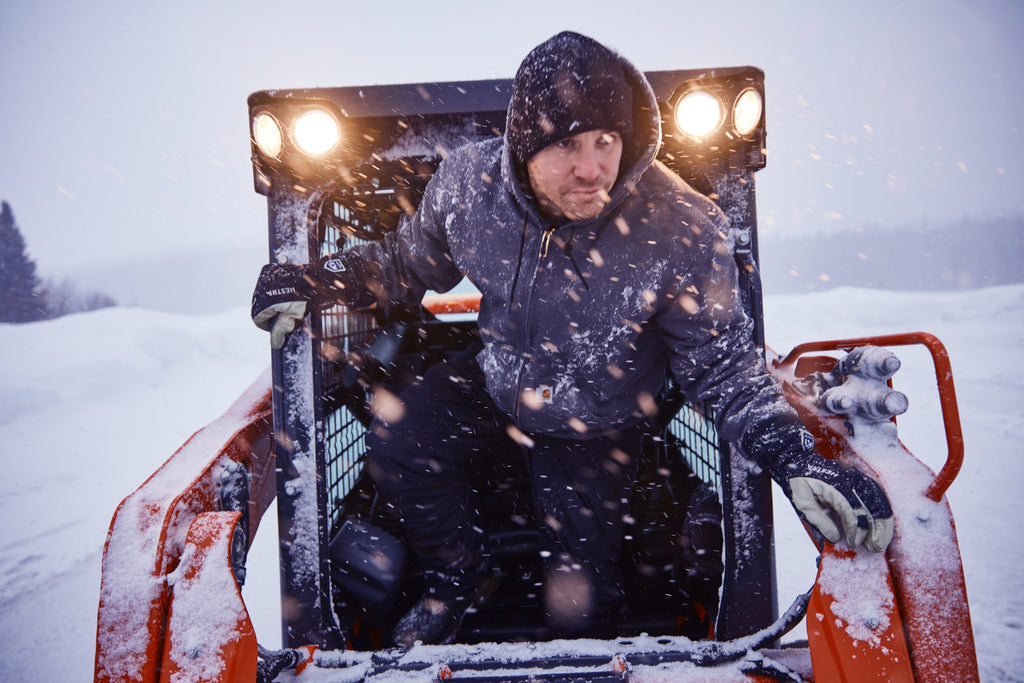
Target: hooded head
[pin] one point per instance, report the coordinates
(569, 84)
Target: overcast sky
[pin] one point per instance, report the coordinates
(125, 124)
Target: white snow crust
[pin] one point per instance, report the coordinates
(206, 611)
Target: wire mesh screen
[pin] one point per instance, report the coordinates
(698, 440)
(344, 448)
(342, 332)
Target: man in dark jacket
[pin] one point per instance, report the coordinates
(600, 271)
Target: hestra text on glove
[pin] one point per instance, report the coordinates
(277, 284)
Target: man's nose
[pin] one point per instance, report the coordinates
(588, 164)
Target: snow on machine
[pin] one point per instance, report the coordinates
(341, 165)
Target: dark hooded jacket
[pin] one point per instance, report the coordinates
(581, 321)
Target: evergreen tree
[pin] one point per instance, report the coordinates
(18, 280)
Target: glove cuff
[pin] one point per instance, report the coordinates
(344, 277)
(778, 444)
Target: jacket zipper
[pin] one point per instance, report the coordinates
(542, 253)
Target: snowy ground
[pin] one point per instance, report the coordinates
(91, 404)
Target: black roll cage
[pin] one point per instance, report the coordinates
(393, 137)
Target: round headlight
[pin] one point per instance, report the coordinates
(698, 113)
(316, 132)
(267, 134)
(746, 112)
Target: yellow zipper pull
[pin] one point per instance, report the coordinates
(545, 242)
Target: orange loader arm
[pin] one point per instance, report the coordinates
(917, 624)
(164, 536)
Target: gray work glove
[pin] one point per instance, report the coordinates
(837, 501)
(279, 300)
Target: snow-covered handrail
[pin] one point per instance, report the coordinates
(943, 377)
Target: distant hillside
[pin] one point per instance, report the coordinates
(210, 280)
(960, 255)
(923, 258)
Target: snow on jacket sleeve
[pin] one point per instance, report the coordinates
(714, 359)
(416, 257)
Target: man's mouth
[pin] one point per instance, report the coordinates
(588, 192)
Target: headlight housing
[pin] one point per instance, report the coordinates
(316, 132)
(698, 113)
(266, 133)
(746, 111)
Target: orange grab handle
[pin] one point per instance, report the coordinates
(452, 303)
(943, 376)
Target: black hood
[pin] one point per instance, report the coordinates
(570, 84)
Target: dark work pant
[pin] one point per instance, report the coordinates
(421, 462)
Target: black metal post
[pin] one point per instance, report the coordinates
(749, 591)
(306, 612)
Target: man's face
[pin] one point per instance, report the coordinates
(572, 177)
